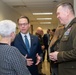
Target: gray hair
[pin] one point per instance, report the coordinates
(67, 5)
(7, 27)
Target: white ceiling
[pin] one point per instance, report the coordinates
(27, 7)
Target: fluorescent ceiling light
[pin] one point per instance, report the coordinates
(42, 13)
(45, 22)
(44, 18)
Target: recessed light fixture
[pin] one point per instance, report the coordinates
(19, 6)
(44, 18)
(42, 13)
(45, 22)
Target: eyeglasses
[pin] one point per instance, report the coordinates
(23, 24)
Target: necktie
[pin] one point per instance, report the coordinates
(27, 44)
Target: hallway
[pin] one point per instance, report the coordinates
(46, 66)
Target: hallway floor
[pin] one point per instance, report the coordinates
(46, 66)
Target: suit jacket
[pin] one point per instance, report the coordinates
(11, 61)
(35, 48)
(46, 40)
(67, 48)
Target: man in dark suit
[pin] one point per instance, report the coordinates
(39, 33)
(46, 40)
(66, 52)
(33, 56)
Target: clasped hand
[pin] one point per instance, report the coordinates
(53, 55)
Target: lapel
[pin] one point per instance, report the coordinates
(22, 42)
(32, 43)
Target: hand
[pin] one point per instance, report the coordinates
(43, 47)
(38, 59)
(53, 56)
(29, 61)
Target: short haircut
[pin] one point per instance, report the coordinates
(24, 17)
(53, 30)
(68, 5)
(48, 30)
(7, 27)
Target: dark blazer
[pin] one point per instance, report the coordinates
(46, 40)
(67, 48)
(35, 48)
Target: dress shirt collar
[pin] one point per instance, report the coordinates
(25, 34)
(28, 37)
(68, 23)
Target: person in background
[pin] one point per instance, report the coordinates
(46, 39)
(66, 52)
(52, 32)
(28, 45)
(57, 35)
(11, 60)
(53, 47)
(40, 33)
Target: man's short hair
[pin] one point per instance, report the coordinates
(23, 17)
(68, 5)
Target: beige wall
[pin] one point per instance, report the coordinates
(7, 13)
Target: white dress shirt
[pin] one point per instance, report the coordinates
(28, 37)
